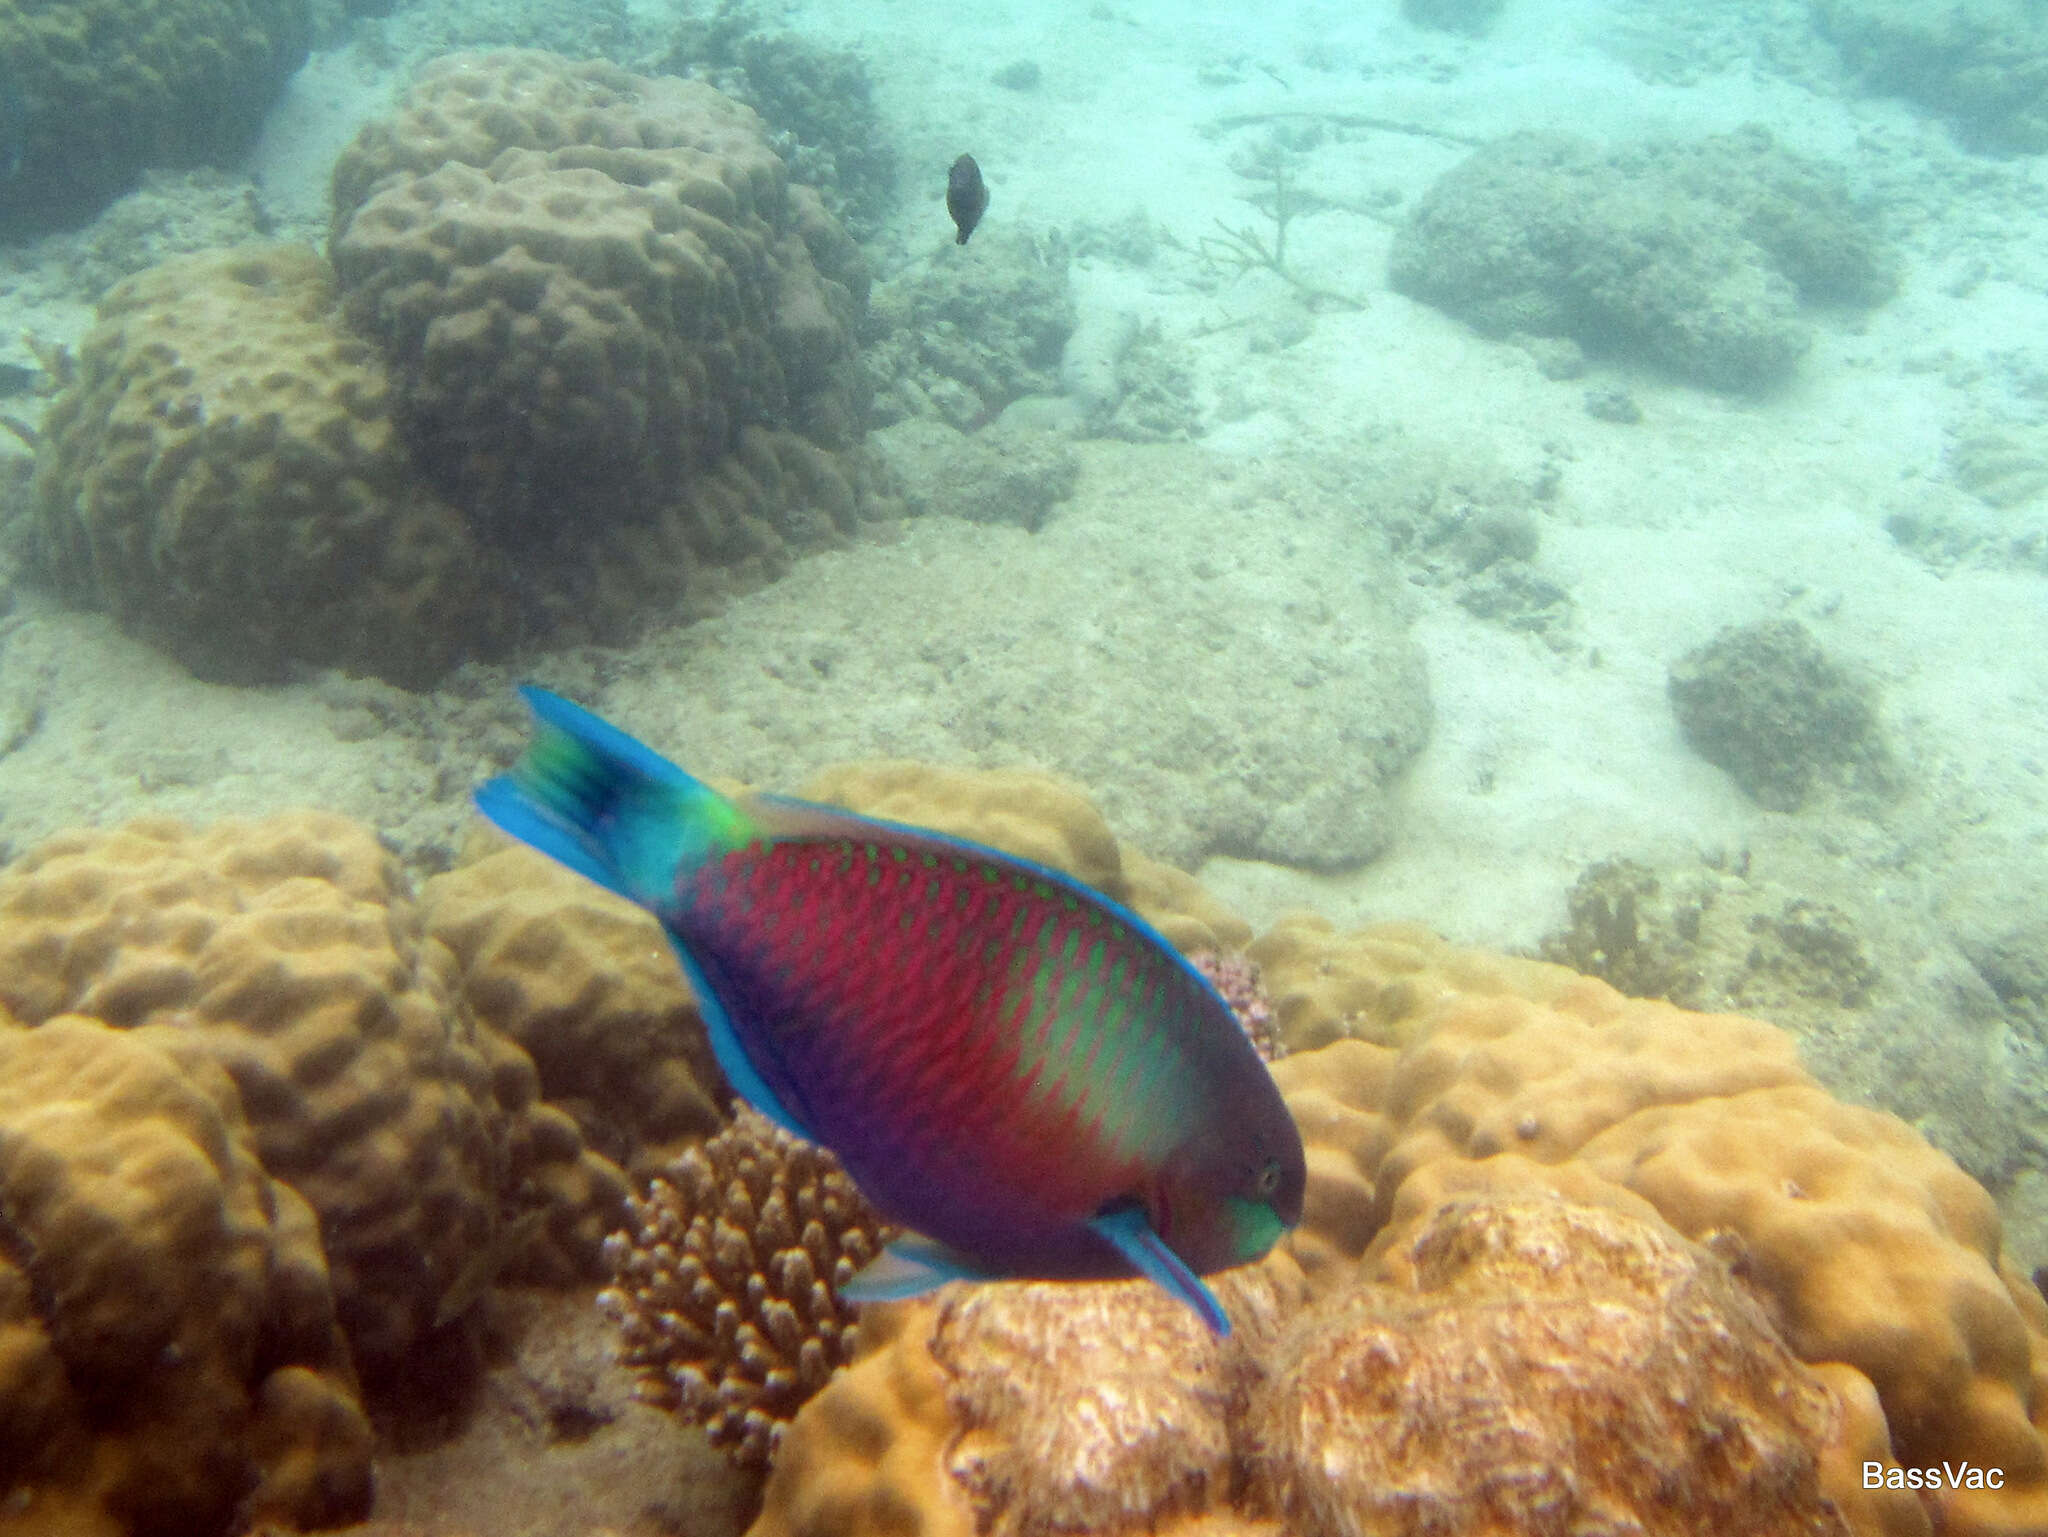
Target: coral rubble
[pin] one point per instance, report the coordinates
(1765, 702)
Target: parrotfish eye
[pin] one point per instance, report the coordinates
(1267, 1185)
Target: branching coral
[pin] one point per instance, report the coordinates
(725, 1284)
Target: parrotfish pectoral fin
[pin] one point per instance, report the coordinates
(607, 806)
(910, 1267)
(1127, 1228)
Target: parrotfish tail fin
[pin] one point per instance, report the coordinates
(607, 806)
(1126, 1227)
(909, 1267)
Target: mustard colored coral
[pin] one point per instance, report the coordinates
(1030, 1409)
(587, 983)
(1870, 1250)
(169, 1356)
(290, 953)
(1569, 1258)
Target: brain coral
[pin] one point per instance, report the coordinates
(289, 952)
(590, 283)
(225, 477)
(91, 91)
(169, 1360)
(590, 359)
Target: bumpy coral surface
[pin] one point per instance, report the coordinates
(290, 953)
(1534, 1366)
(224, 477)
(1102, 1407)
(169, 1358)
(598, 364)
(1694, 256)
(590, 282)
(588, 984)
(725, 1283)
(1548, 1367)
(1975, 62)
(1873, 1253)
(91, 91)
(1766, 703)
(1489, 1251)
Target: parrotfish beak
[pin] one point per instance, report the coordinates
(1255, 1226)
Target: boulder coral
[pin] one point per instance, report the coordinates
(1544, 1366)
(1695, 256)
(586, 982)
(93, 91)
(1548, 1366)
(593, 287)
(225, 476)
(289, 953)
(169, 1355)
(1877, 1259)
(584, 355)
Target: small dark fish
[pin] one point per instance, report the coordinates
(966, 197)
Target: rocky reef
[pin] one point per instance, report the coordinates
(1696, 257)
(94, 91)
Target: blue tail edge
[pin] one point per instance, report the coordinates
(607, 806)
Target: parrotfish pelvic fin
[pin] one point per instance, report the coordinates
(609, 807)
(910, 1266)
(1127, 1228)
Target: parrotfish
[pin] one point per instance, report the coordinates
(1018, 1070)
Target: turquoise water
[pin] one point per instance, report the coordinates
(1575, 477)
